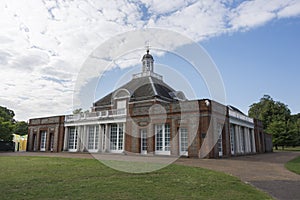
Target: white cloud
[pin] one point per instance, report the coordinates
(44, 43)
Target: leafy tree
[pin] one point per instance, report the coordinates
(277, 120)
(79, 111)
(267, 110)
(8, 125)
(21, 128)
(6, 130)
(6, 114)
(277, 128)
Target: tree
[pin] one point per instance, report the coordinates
(21, 128)
(7, 114)
(79, 111)
(276, 118)
(6, 124)
(277, 128)
(267, 110)
(6, 130)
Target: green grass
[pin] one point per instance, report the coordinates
(70, 178)
(287, 149)
(294, 165)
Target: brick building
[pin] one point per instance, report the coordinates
(147, 116)
(46, 134)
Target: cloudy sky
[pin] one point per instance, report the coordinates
(255, 44)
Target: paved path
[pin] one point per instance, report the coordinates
(264, 171)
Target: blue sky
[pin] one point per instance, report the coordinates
(44, 45)
(264, 60)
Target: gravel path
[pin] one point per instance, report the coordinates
(264, 171)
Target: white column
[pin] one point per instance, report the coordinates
(84, 135)
(79, 145)
(100, 139)
(66, 139)
(237, 140)
(242, 138)
(253, 141)
(107, 138)
(247, 141)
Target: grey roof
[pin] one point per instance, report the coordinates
(236, 109)
(142, 88)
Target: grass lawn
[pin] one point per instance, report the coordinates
(294, 165)
(70, 178)
(287, 149)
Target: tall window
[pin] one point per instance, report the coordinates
(220, 143)
(43, 140)
(51, 141)
(162, 135)
(143, 141)
(116, 137)
(183, 134)
(73, 134)
(93, 137)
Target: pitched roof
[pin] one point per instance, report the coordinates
(142, 88)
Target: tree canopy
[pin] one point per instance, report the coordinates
(8, 125)
(277, 120)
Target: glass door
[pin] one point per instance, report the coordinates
(183, 135)
(143, 141)
(43, 141)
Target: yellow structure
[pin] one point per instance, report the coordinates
(20, 142)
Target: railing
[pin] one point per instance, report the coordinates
(96, 115)
(148, 73)
(240, 116)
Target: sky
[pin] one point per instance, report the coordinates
(254, 44)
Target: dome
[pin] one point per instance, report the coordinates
(147, 56)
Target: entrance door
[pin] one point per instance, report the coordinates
(43, 141)
(116, 138)
(73, 134)
(143, 141)
(183, 141)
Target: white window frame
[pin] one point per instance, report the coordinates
(121, 104)
(93, 138)
(43, 140)
(115, 146)
(183, 141)
(143, 133)
(166, 139)
(51, 141)
(72, 141)
(220, 139)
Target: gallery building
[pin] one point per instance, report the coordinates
(148, 117)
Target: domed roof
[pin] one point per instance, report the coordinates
(147, 55)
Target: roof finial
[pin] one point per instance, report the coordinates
(147, 46)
